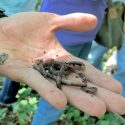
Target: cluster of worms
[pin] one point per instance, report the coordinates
(59, 70)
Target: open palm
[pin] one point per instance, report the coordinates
(28, 36)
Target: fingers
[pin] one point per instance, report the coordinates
(114, 102)
(97, 77)
(75, 22)
(84, 101)
(47, 90)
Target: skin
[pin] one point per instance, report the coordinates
(26, 37)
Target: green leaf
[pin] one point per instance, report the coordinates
(86, 116)
(3, 113)
(33, 101)
(69, 115)
(103, 122)
(76, 113)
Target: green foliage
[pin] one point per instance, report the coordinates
(26, 105)
(111, 119)
(38, 5)
(22, 111)
(107, 56)
(73, 116)
(3, 113)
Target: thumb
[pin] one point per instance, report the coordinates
(75, 22)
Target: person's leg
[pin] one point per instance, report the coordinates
(120, 73)
(46, 114)
(8, 92)
(96, 55)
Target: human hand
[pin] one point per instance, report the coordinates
(18, 35)
(107, 97)
(24, 37)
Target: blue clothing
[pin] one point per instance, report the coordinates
(15, 6)
(46, 114)
(9, 91)
(62, 7)
(96, 54)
